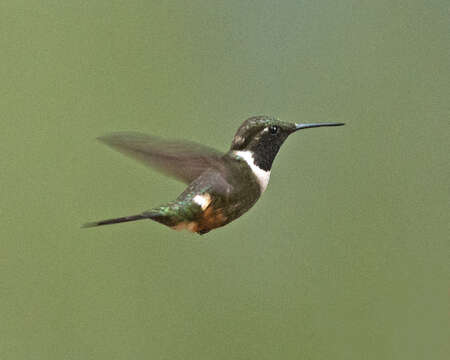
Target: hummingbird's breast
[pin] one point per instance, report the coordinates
(218, 197)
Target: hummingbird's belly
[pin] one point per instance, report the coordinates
(207, 220)
(213, 201)
(217, 211)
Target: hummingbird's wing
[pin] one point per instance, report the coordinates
(182, 160)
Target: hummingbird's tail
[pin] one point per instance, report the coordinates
(167, 214)
(115, 220)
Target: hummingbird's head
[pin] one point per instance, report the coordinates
(262, 136)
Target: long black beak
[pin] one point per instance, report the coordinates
(308, 126)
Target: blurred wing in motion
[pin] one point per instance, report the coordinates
(182, 160)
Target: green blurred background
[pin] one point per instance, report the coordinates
(344, 257)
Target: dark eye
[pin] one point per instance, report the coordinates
(273, 129)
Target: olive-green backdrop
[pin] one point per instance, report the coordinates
(346, 256)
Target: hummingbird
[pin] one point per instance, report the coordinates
(220, 186)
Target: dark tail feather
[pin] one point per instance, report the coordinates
(115, 221)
